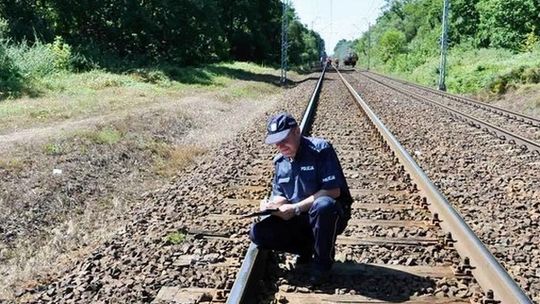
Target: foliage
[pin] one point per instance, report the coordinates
(61, 52)
(186, 32)
(33, 61)
(391, 44)
(405, 41)
(491, 70)
(304, 46)
(22, 64)
(43, 37)
(504, 23)
(531, 41)
(10, 76)
(3, 28)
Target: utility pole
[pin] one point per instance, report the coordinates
(284, 42)
(368, 43)
(444, 46)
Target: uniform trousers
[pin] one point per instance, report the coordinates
(310, 233)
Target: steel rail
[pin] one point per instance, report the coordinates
(500, 132)
(486, 269)
(255, 257)
(533, 121)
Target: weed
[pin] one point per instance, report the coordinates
(53, 149)
(39, 114)
(105, 136)
(150, 76)
(175, 238)
(159, 148)
(14, 164)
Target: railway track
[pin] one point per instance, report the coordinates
(494, 184)
(525, 119)
(397, 246)
(187, 243)
(516, 128)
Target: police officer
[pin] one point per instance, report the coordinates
(310, 194)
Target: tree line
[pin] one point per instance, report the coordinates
(407, 32)
(187, 32)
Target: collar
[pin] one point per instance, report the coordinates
(301, 150)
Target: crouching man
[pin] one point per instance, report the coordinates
(310, 194)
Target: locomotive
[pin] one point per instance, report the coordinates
(350, 59)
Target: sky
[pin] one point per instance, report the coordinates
(337, 19)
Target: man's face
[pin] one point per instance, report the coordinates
(289, 146)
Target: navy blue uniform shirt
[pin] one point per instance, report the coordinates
(314, 167)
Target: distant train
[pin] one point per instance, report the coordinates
(350, 59)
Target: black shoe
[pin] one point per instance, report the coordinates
(318, 277)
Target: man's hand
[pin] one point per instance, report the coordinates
(263, 204)
(285, 211)
(273, 204)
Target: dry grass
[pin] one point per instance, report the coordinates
(70, 239)
(525, 99)
(172, 159)
(14, 165)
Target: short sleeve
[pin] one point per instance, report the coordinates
(331, 175)
(276, 188)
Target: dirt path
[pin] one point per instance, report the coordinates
(42, 134)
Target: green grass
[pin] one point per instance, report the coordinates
(53, 149)
(474, 71)
(66, 95)
(251, 90)
(106, 136)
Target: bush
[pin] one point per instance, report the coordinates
(61, 53)
(530, 75)
(32, 61)
(519, 75)
(149, 75)
(10, 77)
(391, 44)
(39, 60)
(82, 63)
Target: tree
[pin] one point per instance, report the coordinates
(504, 23)
(464, 19)
(391, 44)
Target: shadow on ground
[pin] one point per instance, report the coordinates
(204, 75)
(371, 281)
